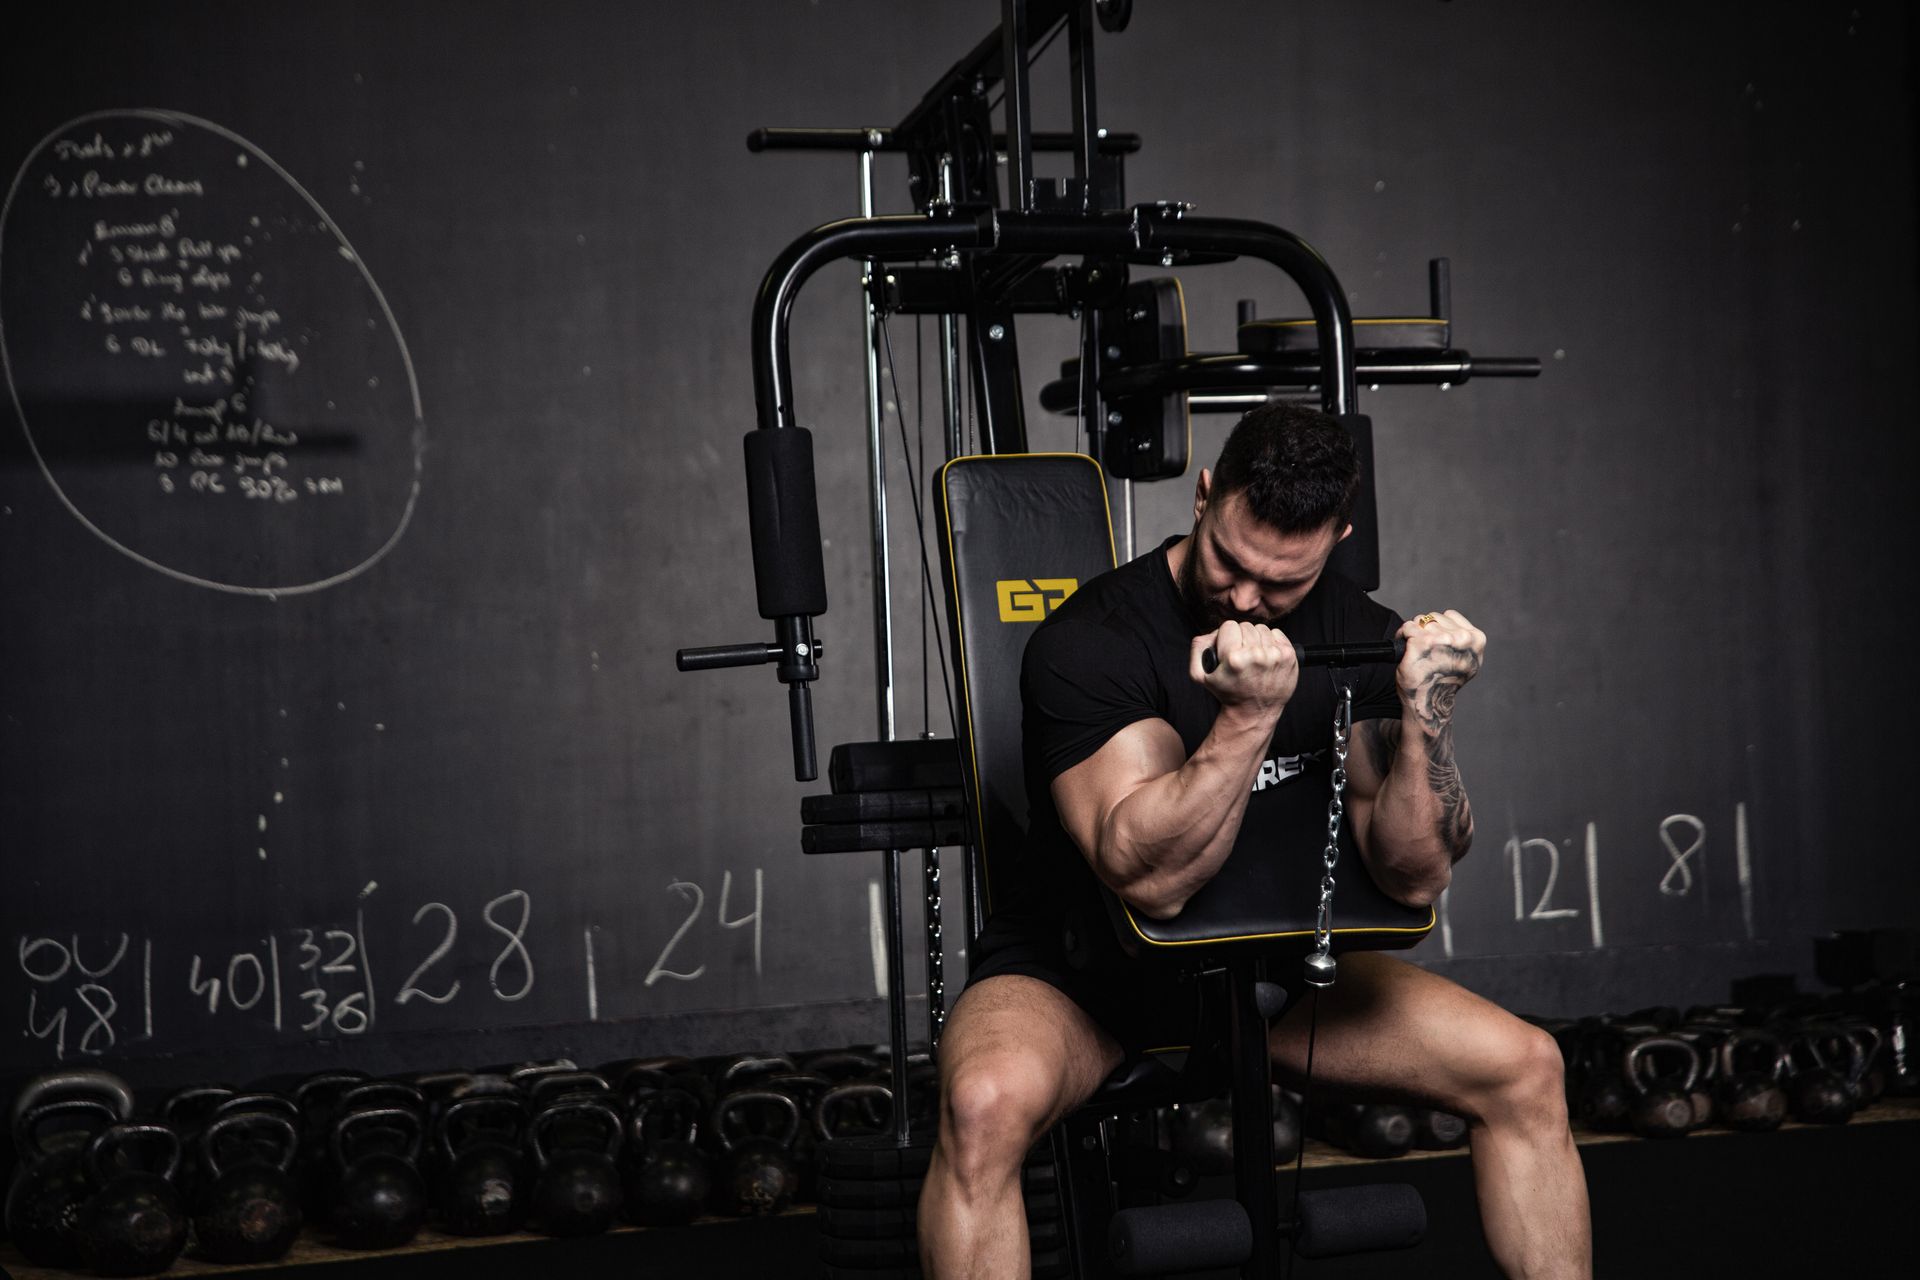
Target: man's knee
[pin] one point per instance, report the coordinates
(1530, 1083)
(993, 1108)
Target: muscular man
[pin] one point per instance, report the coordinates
(1142, 769)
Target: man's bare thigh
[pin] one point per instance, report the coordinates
(1011, 1022)
(1388, 1028)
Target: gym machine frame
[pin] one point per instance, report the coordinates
(963, 253)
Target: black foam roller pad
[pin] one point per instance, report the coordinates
(1346, 1220)
(910, 764)
(789, 576)
(1179, 1237)
(883, 806)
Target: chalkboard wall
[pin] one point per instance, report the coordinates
(377, 378)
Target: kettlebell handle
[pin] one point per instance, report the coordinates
(409, 1127)
(383, 1093)
(26, 1132)
(1863, 1054)
(115, 1136)
(82, 1081)
(735, 1101)
(544, 1120)
(342, 1080)
(1639, 1051)
(1770, 1044)
(505, 1104)
(842, 1093)
(752, 1066)
(567, 1084)
(233, 1122)
(277, 1104)
(675, 1100)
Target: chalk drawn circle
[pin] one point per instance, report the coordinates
(253, 317)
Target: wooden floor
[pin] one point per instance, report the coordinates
(715, 1240)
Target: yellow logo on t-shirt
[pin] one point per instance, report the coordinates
(1023, 601)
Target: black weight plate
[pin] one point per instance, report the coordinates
(901, 1252)
(1054, 1264)
(867, 1193)
(1040, 1177)
(1047, 1236)
(866, 1224)
(1044, 1207)
(874, 1157)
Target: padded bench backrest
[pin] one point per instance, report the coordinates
(1019, 533)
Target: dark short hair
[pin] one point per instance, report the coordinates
(1296, 466)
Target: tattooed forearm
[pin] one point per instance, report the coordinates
(1454, 821)
(1443, 779)
(1382, 738)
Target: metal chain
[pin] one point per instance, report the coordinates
(1320, 964)
(936, 959)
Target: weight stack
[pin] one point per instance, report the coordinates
(869, 1198)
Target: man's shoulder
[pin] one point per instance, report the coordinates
(1118, 597)
(1111, 619)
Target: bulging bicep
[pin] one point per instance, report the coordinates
(1087, 794)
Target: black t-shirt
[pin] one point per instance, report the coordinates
(1117, 651)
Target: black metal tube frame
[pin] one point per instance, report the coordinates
(1145, 233)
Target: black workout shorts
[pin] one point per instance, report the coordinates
(1142, 1009)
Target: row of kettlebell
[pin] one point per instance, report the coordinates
(1715, 1066)
(539, 1145)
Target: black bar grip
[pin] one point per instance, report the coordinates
(1329, 655)
(775, 139)
(716, 656)
(806, 764)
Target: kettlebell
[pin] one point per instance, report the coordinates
(1705, 1093)
(667, 1178)
(186, 1111)
(318, 1097)
(1438, 1130)
(576, 1146)
(806, 1089)
(1864, 1079)
(1820, 1093)
(379, 1197)
(53, 1118)
(757, 1174)
(1376, 1130)
(1201, 1134)
(134, 1224)
(484, 1187)
(1663, 1102)
(248, 1211)
(1605, 1102)
(1286, 1126)
(1753, 1063)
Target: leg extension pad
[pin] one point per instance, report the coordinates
(1201, 1236)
